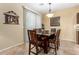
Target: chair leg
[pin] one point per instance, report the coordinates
(55, 49)
(58, 44)
(36, 50)
(29, 48)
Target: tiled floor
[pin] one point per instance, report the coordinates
(66, 48)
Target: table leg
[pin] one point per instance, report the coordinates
(46, 46)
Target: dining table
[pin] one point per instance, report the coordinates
(45, 38)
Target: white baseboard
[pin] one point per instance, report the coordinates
(68, 40)
(11, 46)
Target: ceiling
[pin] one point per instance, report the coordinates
(44, 7)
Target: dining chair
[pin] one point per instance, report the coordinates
(57, 38)
(33, 40)
(46, 31)
(53, 30)
(54, 41)
(39, 30)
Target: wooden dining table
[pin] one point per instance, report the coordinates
(45, 38)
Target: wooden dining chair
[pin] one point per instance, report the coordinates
(39, 30)
(33, 40)
(57, 38)
(53, 30)
(54, 40)
(46, 31)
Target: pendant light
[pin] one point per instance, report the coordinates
(49, 15)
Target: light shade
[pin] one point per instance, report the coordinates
(50, 15)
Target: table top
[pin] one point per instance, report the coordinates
(45, 34)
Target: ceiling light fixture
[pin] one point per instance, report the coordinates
(50, 14)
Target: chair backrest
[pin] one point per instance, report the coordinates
(53, 30)
(39, 30)
(58, 34)
(46, 31)
(32, 36)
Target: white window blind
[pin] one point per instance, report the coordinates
(32, 20)
(38, 21)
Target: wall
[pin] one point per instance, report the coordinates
(67, 22)
(10, 34)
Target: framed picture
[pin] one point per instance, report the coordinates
(55, 21)
(11, 18)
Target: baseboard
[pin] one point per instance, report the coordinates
(68, 40)
(11, 46)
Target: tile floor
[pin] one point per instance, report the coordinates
(66, 48)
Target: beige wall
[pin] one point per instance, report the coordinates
(67, 22)
(10, 34)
